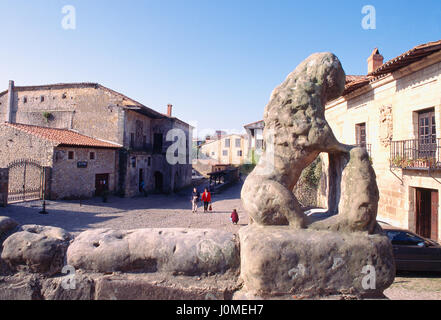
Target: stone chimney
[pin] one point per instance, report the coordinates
(374, 61)
(10, 105)
(169, 110)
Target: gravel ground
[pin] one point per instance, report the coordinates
(162, 211)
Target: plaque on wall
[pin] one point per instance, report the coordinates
(82, 164)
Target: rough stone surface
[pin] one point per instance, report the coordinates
(36, 249)
(83, 288)
(7, 226)
(161, 287)
(296, 132)
(359, 197)
(20, 286)
(277, 262)
(177, 251)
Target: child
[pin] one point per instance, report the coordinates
(234, 217)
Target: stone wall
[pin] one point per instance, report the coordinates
(16, 144)
(69, 181)
(108, 264)
(81, 108)
(389, 108)
(4, 178)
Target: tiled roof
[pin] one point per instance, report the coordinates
(62, 137)
(413, 55)
(355, 82)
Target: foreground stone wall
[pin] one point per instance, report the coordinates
(40, 262)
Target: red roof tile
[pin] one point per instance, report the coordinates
(62, 137)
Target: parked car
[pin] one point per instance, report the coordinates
(413, 252)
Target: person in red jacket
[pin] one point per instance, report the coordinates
(206, 199)
(234, 217)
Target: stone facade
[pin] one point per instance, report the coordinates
(102, 113)
(389, 107)
(64, 179)
(83, 179)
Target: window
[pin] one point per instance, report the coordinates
(227, 143)
(149, 161)
(225, 153)
(237, 143)
(360, 134)
(239, 153)
(404, 238)
(42, 99)
(426, 134)
(92, 156)
(25, 99)
(212, 154)
(70, 155)
(132, 140)
(157, 142)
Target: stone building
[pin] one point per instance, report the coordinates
(101, 113)
(229, 149)
(80, 166)
(395, 112)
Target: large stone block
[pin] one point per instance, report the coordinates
(177, 251)
(36, 249)
(277, 261)
(7, 226)
(163, 287)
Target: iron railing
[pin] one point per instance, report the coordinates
(415, 154)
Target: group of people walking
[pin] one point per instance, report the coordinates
(205, 198)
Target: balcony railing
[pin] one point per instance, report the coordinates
(416, 154)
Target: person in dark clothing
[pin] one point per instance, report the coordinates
(206, 199)
(194, 200)
(234, 217)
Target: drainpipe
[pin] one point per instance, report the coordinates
(10, 101)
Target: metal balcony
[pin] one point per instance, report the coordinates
(415, 154)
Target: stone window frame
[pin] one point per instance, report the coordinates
(94, 155)
(227, 143)
(225, 153)
(238, 145)
(73, 155)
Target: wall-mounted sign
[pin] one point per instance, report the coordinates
(82, 164)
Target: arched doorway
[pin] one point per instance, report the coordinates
(158, 181)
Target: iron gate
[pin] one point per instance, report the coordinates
(26, 181)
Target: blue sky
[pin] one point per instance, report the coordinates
(215, 61)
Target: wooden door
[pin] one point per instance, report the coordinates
(426, 213)
(434, 216)
(101, 183)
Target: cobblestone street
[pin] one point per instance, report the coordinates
(159, 211)
(155, 211)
